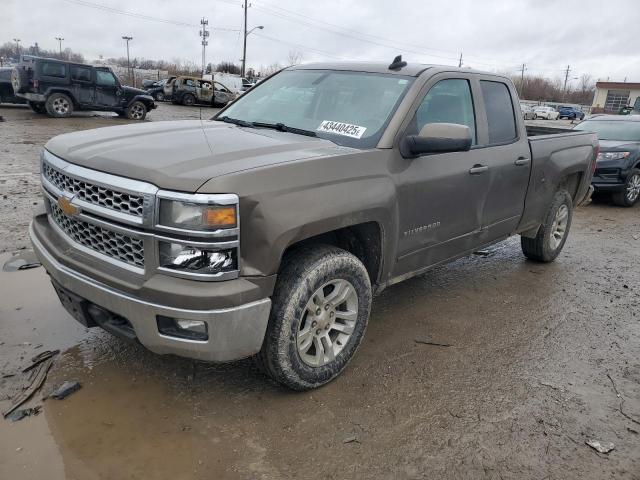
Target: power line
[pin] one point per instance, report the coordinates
(297, 45)
(141, 16)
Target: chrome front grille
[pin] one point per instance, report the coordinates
(107, 242)
(95, 194)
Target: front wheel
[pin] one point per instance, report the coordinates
(319, 315)
(136, 111)
(159, 96)
(552, 235)
(629, 196)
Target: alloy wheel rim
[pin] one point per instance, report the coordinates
(327, 323)
(136, 112)
(61, 106)
(633, 188)
(559, 227)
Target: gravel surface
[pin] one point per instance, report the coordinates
(536, 361)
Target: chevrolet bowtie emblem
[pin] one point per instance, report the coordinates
(67, 207)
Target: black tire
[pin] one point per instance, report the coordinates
(542, 248)
(20, 80)
(630, 195)
(37, 107)
(305, 272)
(159, 96)
(59, 105)
(188, 99)
(136, 111)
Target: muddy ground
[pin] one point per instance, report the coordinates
(541, 359)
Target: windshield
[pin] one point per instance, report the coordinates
(348, 108)
(612, 130)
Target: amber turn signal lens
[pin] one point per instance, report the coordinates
(219, 216)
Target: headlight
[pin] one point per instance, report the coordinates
(197, 216)
(199, 260)
(612, 155)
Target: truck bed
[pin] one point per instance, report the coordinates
(536, 131)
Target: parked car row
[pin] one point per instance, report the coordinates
(549, 113)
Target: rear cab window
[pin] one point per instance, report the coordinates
(501, 119)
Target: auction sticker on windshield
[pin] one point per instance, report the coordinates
(340, 128)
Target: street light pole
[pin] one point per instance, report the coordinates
(246, 34)
(126, 38)
(60, 39)
(17, 40)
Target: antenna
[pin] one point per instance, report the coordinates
(397, 63)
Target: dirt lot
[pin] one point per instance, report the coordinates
(541, 358)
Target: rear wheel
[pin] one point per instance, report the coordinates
(136, 111)
(552, 235)
(629, 196)
(188, 99)
(159, 96)
(37, 107)
(318, 318)
(59, 105)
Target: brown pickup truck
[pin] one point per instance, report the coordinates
(265, 231)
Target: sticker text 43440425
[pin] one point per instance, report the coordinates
(341, 128)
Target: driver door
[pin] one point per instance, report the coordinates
(107, 89)
(441, 196)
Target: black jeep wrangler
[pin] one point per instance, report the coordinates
(57, 88)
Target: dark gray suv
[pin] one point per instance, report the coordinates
(57, 88)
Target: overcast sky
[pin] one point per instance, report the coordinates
(593, 36)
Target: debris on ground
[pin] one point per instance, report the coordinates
(41, 357)
(435, 344)
(22, 261)
(601, 447)
(352, 439)
(483, 253)
(20, 413)
(36, 379)
(65, 389)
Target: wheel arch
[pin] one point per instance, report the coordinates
(363, 240)
(64, 91)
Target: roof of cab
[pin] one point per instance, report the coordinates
(410, 70)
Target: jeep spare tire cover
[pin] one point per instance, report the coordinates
(19, 80)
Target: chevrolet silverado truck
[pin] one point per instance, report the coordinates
(265, 231)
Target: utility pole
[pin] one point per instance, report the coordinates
(460, 61)
(17, 40)
(566, 78)
(522, 69)
(204, 33)
(126, 38)
(60, 39)
(244, 46)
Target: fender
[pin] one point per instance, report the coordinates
(146, 99)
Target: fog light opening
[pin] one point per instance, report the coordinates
(181, 328)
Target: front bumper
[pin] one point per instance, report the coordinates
(234, 333)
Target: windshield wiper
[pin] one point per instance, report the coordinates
(235, 121)
(281, 127)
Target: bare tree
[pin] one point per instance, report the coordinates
(295, 57)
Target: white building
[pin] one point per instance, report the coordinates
(610, 97)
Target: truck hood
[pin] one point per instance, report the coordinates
(618, 145)
(183, 155)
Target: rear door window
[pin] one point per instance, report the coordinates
(82, 74)
(53, 69)
(500, 115)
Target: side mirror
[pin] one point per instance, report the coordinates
(437, 138)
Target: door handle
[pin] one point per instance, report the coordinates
(521, 161)
(478, 169)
